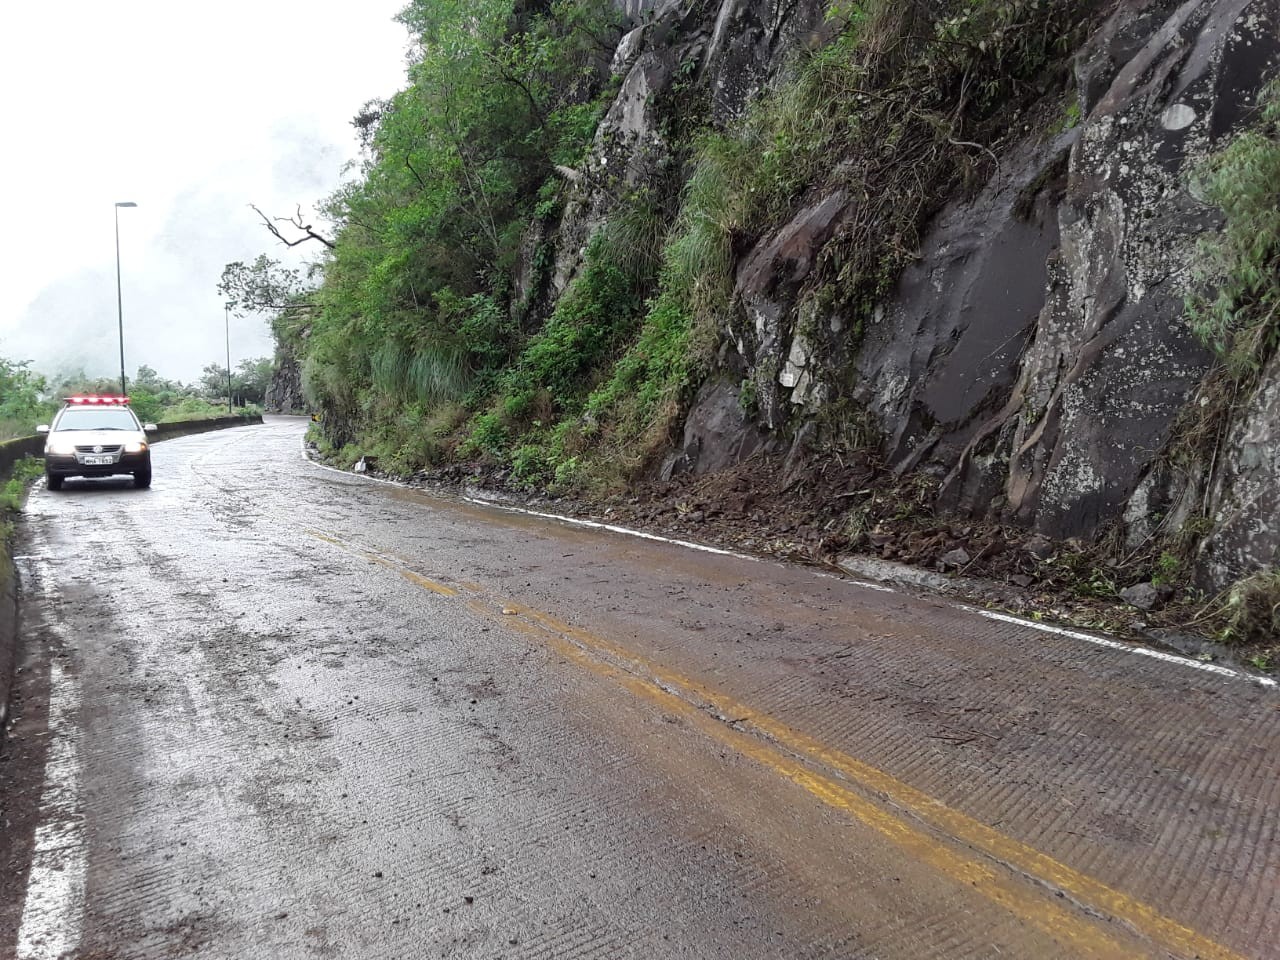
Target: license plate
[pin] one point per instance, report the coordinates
(92, 460)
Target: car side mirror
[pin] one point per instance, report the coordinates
(43, 428)
(150, 427)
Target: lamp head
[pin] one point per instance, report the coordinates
(127, 203)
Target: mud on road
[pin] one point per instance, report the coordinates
(269, 710)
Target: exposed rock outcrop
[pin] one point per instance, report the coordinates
(1036, 357)
(735, 53)
(939, 364)
(1113, 361)
(1246, 491)
(718, 434)
(284, 392)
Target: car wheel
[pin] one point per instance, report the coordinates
(53, 481)
(142, 479)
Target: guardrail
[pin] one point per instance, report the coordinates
(11, 451)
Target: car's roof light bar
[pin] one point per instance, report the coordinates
(96, 399)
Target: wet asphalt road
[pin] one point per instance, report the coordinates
(269, 710)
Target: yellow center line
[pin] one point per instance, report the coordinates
(1082, 936)
(382, 561)
(1122, 907)
(788, 752)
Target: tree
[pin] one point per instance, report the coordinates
(264, 286)
(213, 382)
(426, 279)
(251, 379)
(147, 379)
(22, 397)
(75, 382)
(151, 394)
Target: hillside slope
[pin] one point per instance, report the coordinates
(1011, 260)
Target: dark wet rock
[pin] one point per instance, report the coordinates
(718, 433)
(1041, 548)
(794, 467)
(284, 392)
(735, 47)
(768, 287)
(1114, 362)
(1246, 495)
(1146, 596)
(1079, 400)
(628, 148)
(1021, 580)
(940, 360)
(1036, 358)
(748, 42)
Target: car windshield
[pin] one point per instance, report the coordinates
(74, 418)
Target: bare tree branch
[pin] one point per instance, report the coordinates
(295, 221)
(417, 176)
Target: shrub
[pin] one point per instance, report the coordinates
(1239, 316)
(530, 465)
(589, 324)
(14, 492)
(1253, 609)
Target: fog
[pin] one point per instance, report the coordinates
(193, 113)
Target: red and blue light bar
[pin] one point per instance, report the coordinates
(99, 400)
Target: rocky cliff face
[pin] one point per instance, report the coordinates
(733, 47)
(284, 393)
(1035, 358)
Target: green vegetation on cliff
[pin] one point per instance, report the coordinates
(1239, 319)
(420, 307)
(1235, 311)
(440, 330)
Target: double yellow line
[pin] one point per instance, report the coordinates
(1001, 870)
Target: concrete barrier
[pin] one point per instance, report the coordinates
(8, 630)
(185, 428)
(11, 451)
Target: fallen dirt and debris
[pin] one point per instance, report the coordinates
(850, 513)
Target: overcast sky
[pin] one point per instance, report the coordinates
(193, 111)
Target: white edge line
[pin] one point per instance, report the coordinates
(53, 910)
(593, 524)
(613, 528)
(1118, 645)
(1130, 648)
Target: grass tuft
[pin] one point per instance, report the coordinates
(1252, 609)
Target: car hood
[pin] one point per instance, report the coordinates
(108, 438)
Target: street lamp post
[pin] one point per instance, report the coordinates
(119, 294)
(226, 315)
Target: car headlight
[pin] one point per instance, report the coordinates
(136, 447)
(60, 448)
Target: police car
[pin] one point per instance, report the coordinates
(96, 436)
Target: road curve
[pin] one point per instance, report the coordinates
(271, 710)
